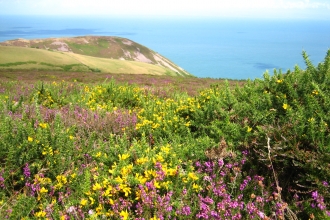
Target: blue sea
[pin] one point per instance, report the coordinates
(215, 48)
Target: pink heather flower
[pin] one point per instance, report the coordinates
(314, 195)
(328, 213)
(245, 152)
(325, 183)
(220, 162)
(296, 197)
(2, 180)
(186, 210)
(261, 215)
(26, 171)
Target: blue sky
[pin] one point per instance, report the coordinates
(296, 9)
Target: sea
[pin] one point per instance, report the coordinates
(206, 47)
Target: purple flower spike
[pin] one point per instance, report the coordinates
(186, 210)
(26, 171)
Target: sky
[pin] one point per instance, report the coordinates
(296, 9)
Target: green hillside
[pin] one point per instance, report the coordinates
(15, 58)
(90, 53)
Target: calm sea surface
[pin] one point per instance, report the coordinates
(223, 48)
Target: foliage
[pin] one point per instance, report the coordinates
(73, 150)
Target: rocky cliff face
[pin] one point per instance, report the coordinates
(100, 46)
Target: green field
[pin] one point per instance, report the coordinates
(38, 59)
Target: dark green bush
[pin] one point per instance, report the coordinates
(291, 109)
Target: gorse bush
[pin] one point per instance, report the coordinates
(119, 151)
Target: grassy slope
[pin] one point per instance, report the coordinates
(55, 60)
(22, 54)
(121, 66)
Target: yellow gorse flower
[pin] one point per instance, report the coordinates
(43, 190)
(97, 187)
(83, 202)
(171, 172)
(142, 160)
(123, 156)
(40, 214)
(43, 125)
(285, 106)
(192, 176)
(124, 214)
(196, 187)
(125, 189)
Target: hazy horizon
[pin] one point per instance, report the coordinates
(171, 9)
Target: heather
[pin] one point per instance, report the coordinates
(114, 150)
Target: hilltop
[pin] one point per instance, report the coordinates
(88, 53)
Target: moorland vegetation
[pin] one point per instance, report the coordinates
(113, 150)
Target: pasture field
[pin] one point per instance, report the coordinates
(148, 147)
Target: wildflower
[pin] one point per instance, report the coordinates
(92, 200)
(126, 189)
(314, 195)
(249, 129)
(30, 139)
(196, 187)
(98, 154)
(123, 156)
(124, 214)
(140, 178)
(165, 149)
(166, 184)
(40, 214)
(171, 172)
(156, 184)
(186, 210)
(43, 190)
(97, 187)
(261, 215)
(192, 176)
(43, 125)
(279, 80)
(83, 202)
(99, 209)
(26, 171)
(285, 106)
(311, 120)
(108, 191)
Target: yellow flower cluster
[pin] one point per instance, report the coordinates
(135, 166)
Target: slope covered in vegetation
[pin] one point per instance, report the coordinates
(72, 150)
(89, 53)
